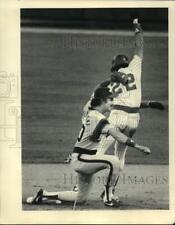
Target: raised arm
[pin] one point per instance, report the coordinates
(138, 39)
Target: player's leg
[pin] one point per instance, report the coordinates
(83, 183)
(85, 167)
(132, 124)
(120, 151)
(121, 120)
(108, 195)
(93, 164)
(117, 119)
(67, 196)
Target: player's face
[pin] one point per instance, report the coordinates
(109, 104)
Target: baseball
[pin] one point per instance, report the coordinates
(135, 21)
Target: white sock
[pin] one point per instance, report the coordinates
(48, 193)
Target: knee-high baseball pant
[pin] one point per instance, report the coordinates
(86, 166)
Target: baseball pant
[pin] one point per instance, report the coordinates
(86, 166)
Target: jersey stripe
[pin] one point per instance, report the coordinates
(98, 129)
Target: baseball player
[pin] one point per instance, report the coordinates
(127, 96)
(86, 160)
(125, 84)
(125, 114)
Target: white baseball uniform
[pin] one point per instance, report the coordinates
(85, 161)
(125, 114)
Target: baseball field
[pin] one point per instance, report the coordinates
(59, 70)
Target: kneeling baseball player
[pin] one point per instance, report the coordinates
(85, 159)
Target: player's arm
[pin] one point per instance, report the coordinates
(138, 39)
(104, 127)
(152, 104)
(117, 135)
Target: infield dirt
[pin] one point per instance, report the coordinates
(139, 187)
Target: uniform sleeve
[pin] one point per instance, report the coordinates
(136, 65)
(98, 130)
(85, 111)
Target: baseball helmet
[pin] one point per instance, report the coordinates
(103, 93)
(100, 94)
(119, 61)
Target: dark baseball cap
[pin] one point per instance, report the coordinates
(119, 61)
(103, 93)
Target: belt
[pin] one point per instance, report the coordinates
(84, 151)
(126, 108)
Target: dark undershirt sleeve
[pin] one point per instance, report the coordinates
(104, 83)
(98, 130)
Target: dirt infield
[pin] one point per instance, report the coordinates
(139, 187)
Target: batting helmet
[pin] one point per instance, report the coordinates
(102, 93)
(119, 61)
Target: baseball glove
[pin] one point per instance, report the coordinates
(156, 105)
(119, 77)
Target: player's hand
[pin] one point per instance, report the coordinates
(143, 149)
(137, 26)
(156, 105)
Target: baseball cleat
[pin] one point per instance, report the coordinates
(135, 21)
(115, 198)
(36, 199)
(68, 159)
(75, 188)
(112, 203)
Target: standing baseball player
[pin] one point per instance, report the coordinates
(127, 96)
(126, 88)
(125, 84)
(86, 160)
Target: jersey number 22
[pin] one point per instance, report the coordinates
(130, 85)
